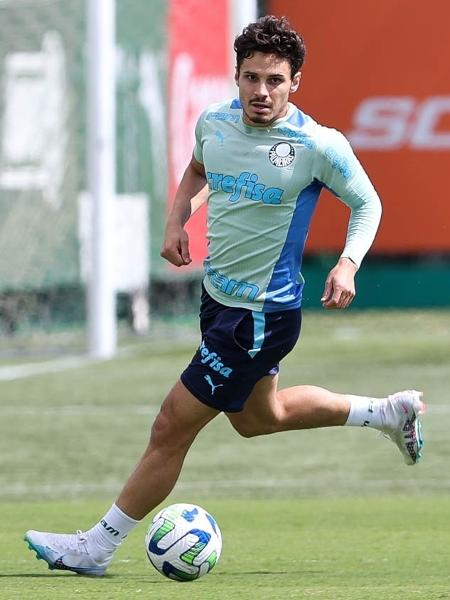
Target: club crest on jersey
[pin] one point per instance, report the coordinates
(282, 154)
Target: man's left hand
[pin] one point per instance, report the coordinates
(339, 288)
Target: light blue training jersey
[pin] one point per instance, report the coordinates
(264, 184)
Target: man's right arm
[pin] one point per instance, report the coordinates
(175, 247)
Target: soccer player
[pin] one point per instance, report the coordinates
(264, 162)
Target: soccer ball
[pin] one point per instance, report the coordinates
(183, 542)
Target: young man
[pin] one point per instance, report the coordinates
(265, 163)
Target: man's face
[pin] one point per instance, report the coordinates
(265, 82)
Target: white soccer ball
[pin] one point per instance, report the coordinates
(183, 542)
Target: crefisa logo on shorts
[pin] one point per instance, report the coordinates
(214, 361)
(282, 154)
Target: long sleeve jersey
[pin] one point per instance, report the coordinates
(264, 184)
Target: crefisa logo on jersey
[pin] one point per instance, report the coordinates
(282, 154)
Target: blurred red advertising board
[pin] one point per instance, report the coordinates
(199, 74)
(378, 70)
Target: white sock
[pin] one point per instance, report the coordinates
(366, 412)
(107, 535)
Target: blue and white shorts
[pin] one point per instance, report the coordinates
(238, 348)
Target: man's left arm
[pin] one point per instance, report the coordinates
(343, 174)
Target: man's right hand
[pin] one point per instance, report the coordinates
(175, 248)
(192, 190)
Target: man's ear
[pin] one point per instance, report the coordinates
(236, 76)
(295, 82)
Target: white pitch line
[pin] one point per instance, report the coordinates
(14, 372)
(11, 373)
(78, 410)
(305, 485)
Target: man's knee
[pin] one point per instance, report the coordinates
(252, 427)
(167, 430)
(258, 421)
(161, 427)
(180, 418)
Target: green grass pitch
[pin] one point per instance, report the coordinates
(329, 514)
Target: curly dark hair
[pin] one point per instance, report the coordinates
(271, 35)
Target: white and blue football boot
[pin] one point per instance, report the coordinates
(401, 423)
(67, 552)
